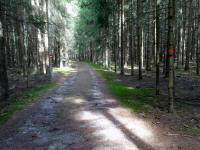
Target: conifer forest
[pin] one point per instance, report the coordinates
(100, 74)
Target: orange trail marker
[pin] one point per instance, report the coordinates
(171, 51)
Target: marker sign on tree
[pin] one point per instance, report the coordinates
(171, 51)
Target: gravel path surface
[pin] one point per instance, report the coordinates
(82, 115)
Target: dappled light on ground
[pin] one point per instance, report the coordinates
(133, 123)
(113, 125)
(108, 121)
(78, 101)
(87, 115)
(80, 114)
(63, 70)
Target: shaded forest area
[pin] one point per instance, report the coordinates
(153, 44)
(32, 41)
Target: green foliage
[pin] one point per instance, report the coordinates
(93, 19)
(38, 21)
(23, 99)
(133, 98)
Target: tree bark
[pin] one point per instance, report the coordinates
(171, 51)
(139, 32)
(131, 38)
(3, 66)
(157, 46)
(122, 38)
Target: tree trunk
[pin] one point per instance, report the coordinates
(198, 42)
(139, 32)
(171, 51)
(114, 41)
(157, 46)
(131, 38)
(3, 65)
(122, 37)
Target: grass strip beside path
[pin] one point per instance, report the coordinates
(27, 97)
(22, 99)
(136, 99)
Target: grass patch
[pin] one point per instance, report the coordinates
(26, 97)
(63, 71)
(186, 121)
(138, 100)
(22, 99)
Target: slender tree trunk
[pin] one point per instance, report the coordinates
(131, 38)
(114, 42)
(139, 32)
(3, 65)
(171, 51)
(122, 37)
(189, 37)
(178, 46)
(157, 46)
(165, 61)
(148, 51)
(91, 52)
(198, 42)
(197, 57)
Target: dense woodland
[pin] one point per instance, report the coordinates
(144, 36)
(35, 36)
(140, 35)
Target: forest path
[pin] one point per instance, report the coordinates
(81, 114)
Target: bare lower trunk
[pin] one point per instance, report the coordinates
(171, 51)
(3, 65)
(122, 37)
(157, 46)
(139, 32)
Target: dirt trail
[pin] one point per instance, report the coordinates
(81, 114)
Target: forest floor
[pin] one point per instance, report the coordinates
(186, 119)
(21, 96)
(82, 114)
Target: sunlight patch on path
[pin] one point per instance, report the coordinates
(109, 124)
(133, 123)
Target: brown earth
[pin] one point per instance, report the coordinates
(186, 119)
